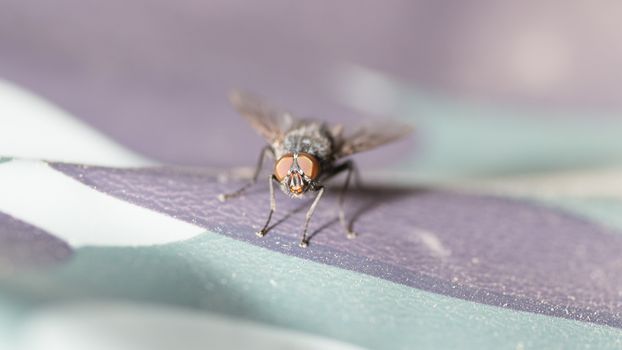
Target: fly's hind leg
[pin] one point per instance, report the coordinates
(267, 150)
(264, 230)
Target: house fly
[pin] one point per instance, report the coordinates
(307, 153)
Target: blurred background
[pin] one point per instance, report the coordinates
(518, 99)
(153, 75)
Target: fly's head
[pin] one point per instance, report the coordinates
(297, 173)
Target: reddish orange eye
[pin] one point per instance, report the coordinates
(309, 165)
(282, 166)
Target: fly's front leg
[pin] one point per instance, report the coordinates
(267, 150)
(264, 230)
(304, 242)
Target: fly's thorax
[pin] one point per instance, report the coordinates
(307, 137)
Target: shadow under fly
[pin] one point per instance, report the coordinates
(307, 153)
(366, 199)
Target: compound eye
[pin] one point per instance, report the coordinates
(309, 165)
(282, 166)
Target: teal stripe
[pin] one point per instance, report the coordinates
(4, 159)
(219, 274)
(457, 139)
(10, 311)
(605, 211)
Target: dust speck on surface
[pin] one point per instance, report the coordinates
(431, 242)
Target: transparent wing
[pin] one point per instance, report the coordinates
(268, 121)
(370, 136)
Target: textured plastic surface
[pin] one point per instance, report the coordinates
(497, 251)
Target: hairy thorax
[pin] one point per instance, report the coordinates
(308, 137)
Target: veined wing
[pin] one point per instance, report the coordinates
(269, 122)
(370, 136)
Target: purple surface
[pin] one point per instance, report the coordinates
(489, 250)
(24, 247)
(154, 74)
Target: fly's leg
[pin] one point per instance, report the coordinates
(264, 152)
(264, 230)
(304, 241)
(350, 168)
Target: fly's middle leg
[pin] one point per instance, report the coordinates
(267, 150)
(351, 170)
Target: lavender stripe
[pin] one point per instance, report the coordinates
(489, 250)
(24, 247)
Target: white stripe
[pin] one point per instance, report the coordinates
(601, 183)
(37, 194)
(33, 128)
(588, 183)
(120, 326)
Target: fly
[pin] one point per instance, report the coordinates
(307, 153)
